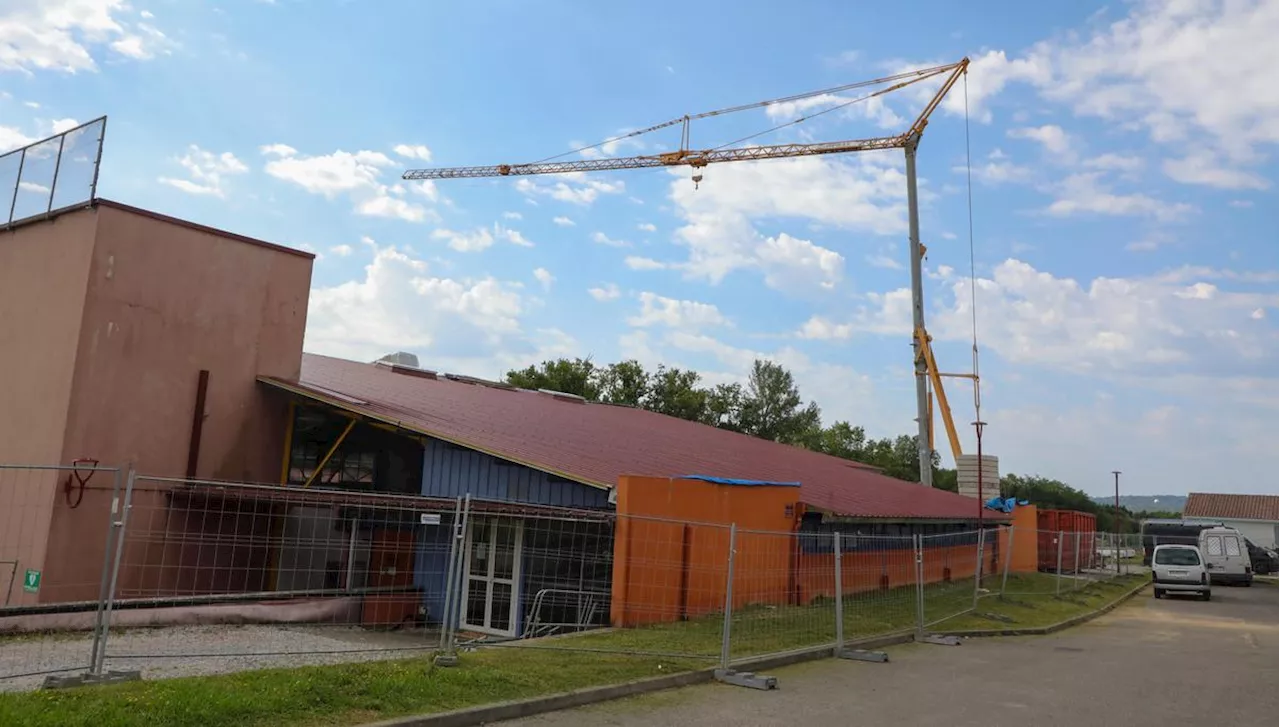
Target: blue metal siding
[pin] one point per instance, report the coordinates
(449, 471)
(432, 565)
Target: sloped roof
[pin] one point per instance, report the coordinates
(1232, 507)
(597, 443)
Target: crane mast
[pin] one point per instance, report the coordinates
(926, 371)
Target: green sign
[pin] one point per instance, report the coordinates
(31, 581)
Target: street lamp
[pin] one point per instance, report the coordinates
(1116, 525)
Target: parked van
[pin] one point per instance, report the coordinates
(1226, 556)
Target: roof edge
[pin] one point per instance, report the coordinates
(361, 410)
(161, 217)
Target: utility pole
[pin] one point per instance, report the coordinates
(1116, 525)
(977, 426)
(917, 318)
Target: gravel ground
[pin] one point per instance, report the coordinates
(200, 650)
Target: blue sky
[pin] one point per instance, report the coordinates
(1123, 157)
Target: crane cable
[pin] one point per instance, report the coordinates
(906, 79)
(973, 270)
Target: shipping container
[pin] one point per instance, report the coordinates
(1078, 530)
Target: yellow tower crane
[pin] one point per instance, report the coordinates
(927, 375)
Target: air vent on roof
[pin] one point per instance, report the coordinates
(479, 382)
(407, 370)
(562, 396)
(404, 358)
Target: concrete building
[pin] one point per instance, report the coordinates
(108, 316)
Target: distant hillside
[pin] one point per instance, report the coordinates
(1147, 503)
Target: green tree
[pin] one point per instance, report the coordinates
(772, 407)
(625, 383)
(724, 407)
(577, 376)
(675, 392)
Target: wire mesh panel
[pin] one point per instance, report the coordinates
(55, 535)
(783, 592)
(877, 583)
(949, 566)
(591, 582)
(218, 576)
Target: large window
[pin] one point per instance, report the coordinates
(344, 469)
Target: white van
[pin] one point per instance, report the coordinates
(1179, 569)
(1226, 556)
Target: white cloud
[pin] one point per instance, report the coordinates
(512, 216)
(31, 104)
(1082, 194)
(1241, 203)
(647, 227)
(206, 172)
(544, 277)
(819, 328)
(468, 325)
(563, 221)
(1114, 162)
(793, 264)
(1174, 69)
(872, 109)
(342, 250)
(512, 236)
(1050, 136)
(602, 239)
(884, 261)
(413, 151)
(1201, 167)
(356, 175)
(606, 292)
(1174, 323)
(656, 310)
(12, 138)
(865, 194)
(57, 126)
(998, 169)
(572, 187)
(635, 262)
(474, 241)
(63, 35)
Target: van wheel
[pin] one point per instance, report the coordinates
(1159, 593)
(1206, 596)
(1248, 583)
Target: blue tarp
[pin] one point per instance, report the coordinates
(727, 481)
(1004, 504)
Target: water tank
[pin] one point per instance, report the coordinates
(967, 475)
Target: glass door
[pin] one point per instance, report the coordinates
(492, 575)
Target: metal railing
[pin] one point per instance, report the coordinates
(51, 175)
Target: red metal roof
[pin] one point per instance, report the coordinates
(597, 443)
(1232, 507)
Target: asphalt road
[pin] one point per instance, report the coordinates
(1149, 662)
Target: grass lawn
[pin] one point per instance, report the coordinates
(354, 693)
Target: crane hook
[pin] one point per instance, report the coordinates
(697, 178)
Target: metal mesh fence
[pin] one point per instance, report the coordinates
(949, 575)
(198, 577)
(211, 571)
(53, 585)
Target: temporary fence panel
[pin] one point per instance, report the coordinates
(878, 585)
(636, 586)
(56, 538)
(783, 592)
(949, 570)
(270, 575)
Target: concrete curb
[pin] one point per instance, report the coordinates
(1053, 628)
(554, 702)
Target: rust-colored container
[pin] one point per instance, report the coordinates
(1077, 529)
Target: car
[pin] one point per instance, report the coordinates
(1263, 559)
(1179, 569)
